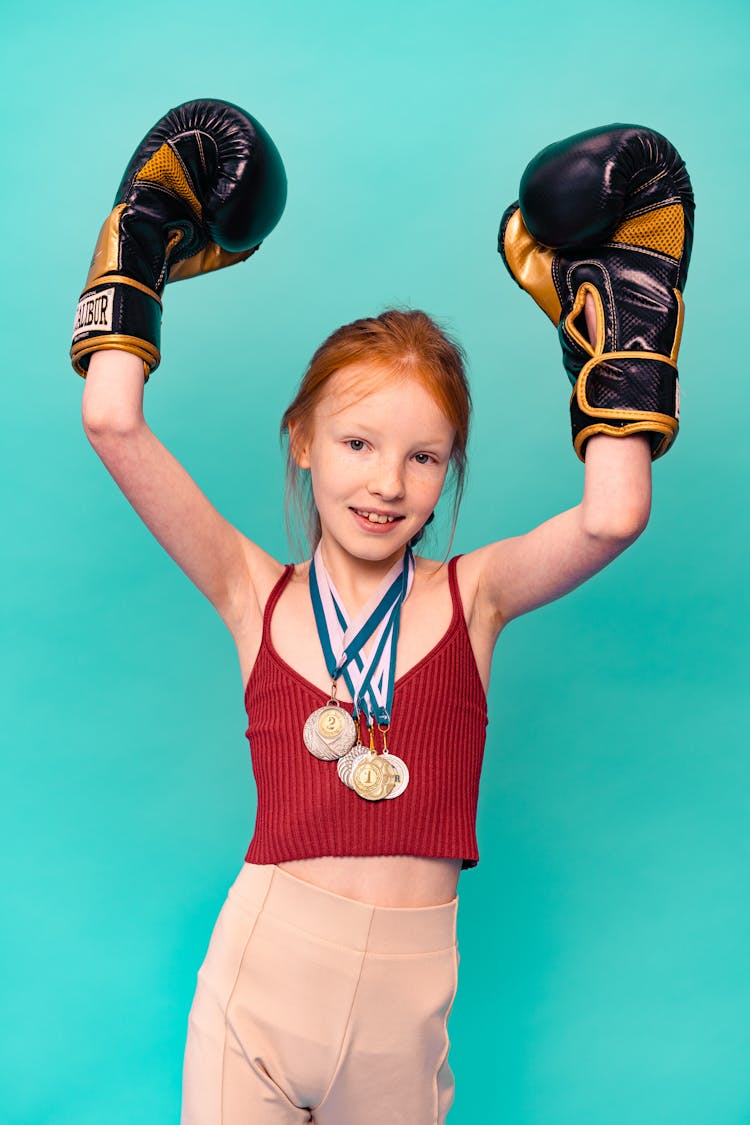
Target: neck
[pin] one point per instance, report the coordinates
(356, 579)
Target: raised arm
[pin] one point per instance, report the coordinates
(516, 575)
(601, 239)
(214, 555)
(201, 191)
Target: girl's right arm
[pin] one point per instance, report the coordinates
(225, 566)
(202, 190)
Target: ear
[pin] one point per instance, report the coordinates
(299, 447)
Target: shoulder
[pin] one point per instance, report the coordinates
(482, 625)
(262, 572)
(435, 576)
(482, 618)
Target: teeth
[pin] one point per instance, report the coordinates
(373, 517)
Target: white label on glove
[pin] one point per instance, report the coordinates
(94, 312)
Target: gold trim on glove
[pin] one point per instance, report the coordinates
(531, 266)
(121, 279)
(659, 423)
(106, 257)
(211, 257)
(578, 307)
(680, 322)
(149, 353)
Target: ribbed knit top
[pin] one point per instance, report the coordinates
(438, 728)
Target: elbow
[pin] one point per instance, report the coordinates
(112, 402)
(104, 426)
(617, 489)
(623, 525)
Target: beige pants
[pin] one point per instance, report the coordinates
(311, 1007)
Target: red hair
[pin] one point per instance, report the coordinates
(402, 343)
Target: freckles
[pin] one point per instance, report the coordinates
(425, 496)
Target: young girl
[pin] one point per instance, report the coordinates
(330, 976)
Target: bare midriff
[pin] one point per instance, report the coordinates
(381, 880)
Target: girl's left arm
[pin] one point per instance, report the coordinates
(516, 575)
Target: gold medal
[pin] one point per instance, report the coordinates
(357, 754)
(373, 777)
(329, 732)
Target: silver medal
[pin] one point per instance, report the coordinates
(348, 762)
(329, 732)
(402, 775)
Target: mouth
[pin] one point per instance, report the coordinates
(376, 519)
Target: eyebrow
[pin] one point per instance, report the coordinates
(362, 429)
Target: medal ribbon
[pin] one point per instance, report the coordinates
(370, 679)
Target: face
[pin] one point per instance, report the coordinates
(377, 462)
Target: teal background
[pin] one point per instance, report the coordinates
(604, 936)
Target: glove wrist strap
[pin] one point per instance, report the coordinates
(623, 393)
(117, 312)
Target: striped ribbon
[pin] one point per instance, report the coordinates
(370, 679)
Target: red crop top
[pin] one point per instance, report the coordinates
(438, 727)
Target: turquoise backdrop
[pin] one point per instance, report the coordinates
(605, 974)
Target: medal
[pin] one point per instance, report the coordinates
(399, 767)
(329, 732)
(401, 770)
(373, 777)
(348, 762)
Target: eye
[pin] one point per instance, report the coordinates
(356, 444)
(424, 458)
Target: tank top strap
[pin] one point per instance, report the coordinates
(458, 605)
(273, 598)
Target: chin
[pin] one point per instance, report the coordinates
(377, 548)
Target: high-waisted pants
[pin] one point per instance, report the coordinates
(312, 1007)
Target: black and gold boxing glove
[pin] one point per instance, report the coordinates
(205, 186)
(609, 212)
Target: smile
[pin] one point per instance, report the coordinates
(375, 517)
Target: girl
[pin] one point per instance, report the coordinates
(330, 975)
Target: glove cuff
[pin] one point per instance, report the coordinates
(117, 312)
(623, 393)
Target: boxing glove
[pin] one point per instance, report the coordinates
(205, 186)
(609, 213)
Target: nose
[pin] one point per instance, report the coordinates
(387, 480)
